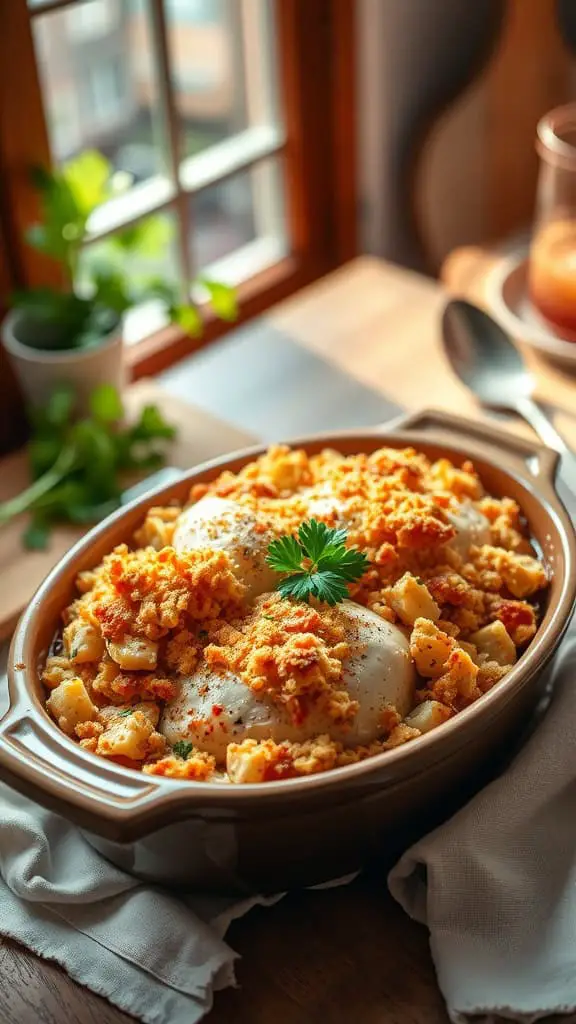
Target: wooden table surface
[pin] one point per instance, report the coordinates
(349, 953)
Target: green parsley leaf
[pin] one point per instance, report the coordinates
(36, 535)
(77, 466)
(125, 712)
(319, 541)
(182, 749)
(284, 555)
(316, 563)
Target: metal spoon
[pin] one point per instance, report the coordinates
(487, 362)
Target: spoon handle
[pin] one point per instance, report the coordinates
(534, 414)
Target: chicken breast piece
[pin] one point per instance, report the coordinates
(226, 525)
(213, 709)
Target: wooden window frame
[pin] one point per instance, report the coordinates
(316, 45)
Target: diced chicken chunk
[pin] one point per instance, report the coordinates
(522, 574)
(430, 648)
(495, 643)
(70, 704)
(458, 679)
(127, 737)
(83, 641)
(427, 716)
(147, 708)
(411, 600)
(134, 654)
(247, 761)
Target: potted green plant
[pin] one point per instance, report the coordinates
(75, 335)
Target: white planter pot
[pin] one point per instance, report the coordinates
(40, 370)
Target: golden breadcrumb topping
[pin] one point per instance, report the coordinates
(147, 593)
(290, 652)
(198, 766)
(449, 565)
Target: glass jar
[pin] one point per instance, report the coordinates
(552, 266)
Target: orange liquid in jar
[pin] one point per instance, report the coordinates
(552, 276)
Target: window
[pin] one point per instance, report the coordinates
(233, 120)
(91, 19)
(104, 93)
(195, 11)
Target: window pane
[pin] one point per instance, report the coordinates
(246, 208)
(223, 67)
(99, 85)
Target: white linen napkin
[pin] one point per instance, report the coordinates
(496, 884)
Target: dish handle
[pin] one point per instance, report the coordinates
(43, 764)
(517, 454)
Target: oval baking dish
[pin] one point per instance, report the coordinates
(296, 831)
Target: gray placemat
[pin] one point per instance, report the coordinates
(259, 379)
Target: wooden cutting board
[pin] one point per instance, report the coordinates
(200, 436)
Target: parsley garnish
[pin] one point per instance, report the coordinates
(182, 749)
(125, 712)
(316, 563)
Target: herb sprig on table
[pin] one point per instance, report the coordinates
(77, 465)
(316, 563)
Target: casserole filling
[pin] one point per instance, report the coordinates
(181, 658)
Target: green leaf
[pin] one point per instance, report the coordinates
(318, 563)
(285, 555)
(111, 290)
(152, 425)
(42, 454)
(183, 749)
(328, 587)
(87, 176)
(63, 221)
(188, 318)
(317, 539)
(106, 404)
(149, 237)
(60, 405)
(223, 298)
(351, 565)
(97, 451)
(297, 586)
(125, 712)
(57, 501)
(157, 288)
(36, 535)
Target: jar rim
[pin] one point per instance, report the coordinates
(549, 142)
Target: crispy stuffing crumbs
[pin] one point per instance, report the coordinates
(150, 617)
(198, 766)
(289, 652)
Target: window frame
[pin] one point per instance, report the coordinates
(316, 47)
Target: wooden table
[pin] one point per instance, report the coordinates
(347, 953)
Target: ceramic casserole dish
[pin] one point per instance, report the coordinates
(257, 837)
